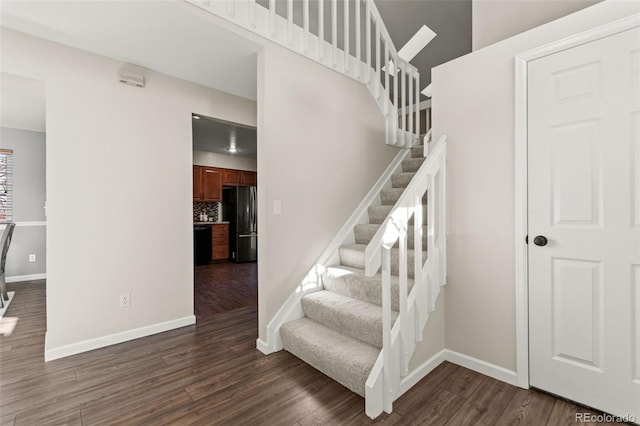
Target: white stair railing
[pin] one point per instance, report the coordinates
(393, 82)
(400, 339)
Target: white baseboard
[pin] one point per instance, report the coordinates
(421, 372)
(112, 339)
(482, 367)
(263, 347)
(20, 278)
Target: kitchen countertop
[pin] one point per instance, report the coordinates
(210, 223)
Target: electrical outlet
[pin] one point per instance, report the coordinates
(125, 300)
(32, 258)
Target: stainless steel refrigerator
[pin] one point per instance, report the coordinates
(239, 208)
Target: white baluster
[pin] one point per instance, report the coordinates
(421, 306)
(386, 78)
(252, 13)
(368, 37)
(431, 248)
(402, 296)
(378, 82)
(305, 24)
(403, 99)
(358, 40)
(334, 33)
(346, 36)
(409, 138)
(272, 18)
(418, 105)
(320, 30)
(386, 327)
(443, 218)
(290, 22)
(395, 98)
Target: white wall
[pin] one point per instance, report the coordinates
(119, 189)
(321, 147)
(495, 20)
(473, 103)
(211, 159)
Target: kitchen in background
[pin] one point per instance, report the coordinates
(224, 215)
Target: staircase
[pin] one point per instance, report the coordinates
(341, 332)
(360, 311)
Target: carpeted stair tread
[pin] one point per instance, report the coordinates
(349, 316)
(417, 151)
(377, 214)
(365, 232)
(412, 164)
(401, 180)
(352, 282)
(389, 196)
(353, 255)
(346, 360)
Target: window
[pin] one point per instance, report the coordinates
(6, 184)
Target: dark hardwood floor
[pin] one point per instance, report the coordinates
(211, 374)
(223, 287)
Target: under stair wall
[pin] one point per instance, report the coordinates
(321, 147)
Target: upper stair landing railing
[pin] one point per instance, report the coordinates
(366, 52)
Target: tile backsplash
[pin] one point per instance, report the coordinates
(211, 209)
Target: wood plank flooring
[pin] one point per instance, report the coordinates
(211, 374)
(223, 287)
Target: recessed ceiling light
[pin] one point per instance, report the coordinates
(196, 117)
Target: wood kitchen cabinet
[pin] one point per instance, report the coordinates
(248, 178)
(230, 177)
(197, 192)
(220, 241)
(207, 184)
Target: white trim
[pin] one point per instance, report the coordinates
(482, 367)
(263, 347)
(521, 231)
(420, 372)
(33, 223)
(291, 309)
(112, 339)
(20, 278)
(521, 174)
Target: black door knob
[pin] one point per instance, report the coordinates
(540, 241)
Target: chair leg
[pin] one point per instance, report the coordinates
(3, 288)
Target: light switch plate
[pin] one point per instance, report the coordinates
(277, 207)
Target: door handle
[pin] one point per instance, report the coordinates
(540, 240)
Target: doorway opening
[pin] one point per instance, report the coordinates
(23, 192)
(224, 216)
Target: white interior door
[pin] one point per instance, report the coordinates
(584, 198)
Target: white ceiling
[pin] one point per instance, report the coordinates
(212, 135)
(167, 36)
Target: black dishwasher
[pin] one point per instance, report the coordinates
(202, 244)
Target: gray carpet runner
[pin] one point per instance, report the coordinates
(341, 333)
